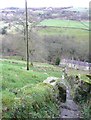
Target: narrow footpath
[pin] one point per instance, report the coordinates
(69, 109)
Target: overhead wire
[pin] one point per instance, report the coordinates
(87, 26)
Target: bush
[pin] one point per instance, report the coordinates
(87, 111)
(83, 97)
(4, 31)
(57, 61)
(7, 103)
(82, 92)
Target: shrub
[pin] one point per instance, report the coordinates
(7, 104)
(57, 61)
(4, 31)
(87, 111)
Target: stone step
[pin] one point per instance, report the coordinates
(71, 104)
(65, 113)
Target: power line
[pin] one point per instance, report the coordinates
(87, 27)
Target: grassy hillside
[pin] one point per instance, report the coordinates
(23, 92)
(20, 85)
(21, 77)
(79, 34)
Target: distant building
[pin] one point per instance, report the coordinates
(75, 64)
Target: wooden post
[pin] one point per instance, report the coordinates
(27, 34)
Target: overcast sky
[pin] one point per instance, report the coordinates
(44, 3)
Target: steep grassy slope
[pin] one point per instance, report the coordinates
(23, 93)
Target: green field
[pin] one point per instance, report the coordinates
(75, 33)
(70, 28)
(64, 23)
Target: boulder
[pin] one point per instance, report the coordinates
(59, 86)
(51, 80)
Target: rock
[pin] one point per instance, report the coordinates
(62, 92)
(60, 87)
(51, 80)
(72, 105)
(65, 113)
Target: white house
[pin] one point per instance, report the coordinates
(75, 64)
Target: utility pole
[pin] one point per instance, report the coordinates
(27, 34)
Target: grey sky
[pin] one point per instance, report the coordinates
(44, 3)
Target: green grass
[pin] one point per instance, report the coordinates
(82, 74)
(23, 92)
(64, 23)
(16, 76)
(29, 88)
(56, 27)
(78, 34)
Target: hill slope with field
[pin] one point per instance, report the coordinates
(23, 92)
(22, 89)
(53, 34)
(54, 37)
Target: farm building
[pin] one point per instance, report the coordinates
(75, 64)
